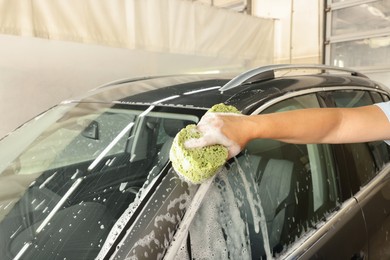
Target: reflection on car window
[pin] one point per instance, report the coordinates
(271, 196)
(351, 98)
(75, 140)
(69, 185)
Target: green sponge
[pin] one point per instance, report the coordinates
(199, 164)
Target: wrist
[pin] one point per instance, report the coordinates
(252, 128)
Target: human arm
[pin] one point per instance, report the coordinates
(317, 125)
(321, 125)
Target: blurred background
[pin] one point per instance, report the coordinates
(53, 50)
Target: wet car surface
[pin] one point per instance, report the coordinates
(91, 178)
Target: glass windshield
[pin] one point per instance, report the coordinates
(67, 176)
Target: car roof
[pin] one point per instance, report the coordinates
(243, 91)
(186, 90)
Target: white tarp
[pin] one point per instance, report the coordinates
(170, 26)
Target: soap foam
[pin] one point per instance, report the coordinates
(199, 164)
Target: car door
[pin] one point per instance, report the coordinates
(370, 173)
(278, 200)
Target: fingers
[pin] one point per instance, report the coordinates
(212, 139)
(196, 143)
(233, 148)
(207, 139)
(210, 126)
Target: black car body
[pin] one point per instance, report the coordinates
(91, 178)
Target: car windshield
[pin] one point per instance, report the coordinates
(67, 176)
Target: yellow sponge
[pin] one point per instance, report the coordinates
(198, 164)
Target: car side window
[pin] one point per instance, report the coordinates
(270, 196)
(367, 158)
(376, 97)
(351, 98)
(297, 184)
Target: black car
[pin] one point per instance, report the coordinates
(91, 178)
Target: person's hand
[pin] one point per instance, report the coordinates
(219, 128)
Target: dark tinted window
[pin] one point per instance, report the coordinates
(307, 178)
(366, 158)
(362, 162)
(352, 98)
(376, 97)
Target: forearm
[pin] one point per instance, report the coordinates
(299, 126)
(323, 125)
(306, 126)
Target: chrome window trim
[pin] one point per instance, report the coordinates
(310, 91)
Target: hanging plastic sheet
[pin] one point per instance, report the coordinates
(171, 26)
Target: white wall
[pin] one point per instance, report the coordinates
(299, 41)
(36, 74)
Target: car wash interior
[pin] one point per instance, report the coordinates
(91, 91)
